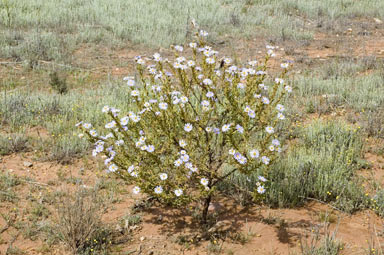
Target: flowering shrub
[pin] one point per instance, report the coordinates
(190, 118)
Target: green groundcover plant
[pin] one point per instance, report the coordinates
(188, 119)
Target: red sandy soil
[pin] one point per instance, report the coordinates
(269, 231)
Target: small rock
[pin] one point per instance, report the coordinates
(221, 226)
(378, 21)
(159, 218)
(215, 207)
(27, 164)
(142, 238)
(151, 253)
(133, 227)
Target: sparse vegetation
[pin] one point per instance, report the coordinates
(79, 226)
(62, 61)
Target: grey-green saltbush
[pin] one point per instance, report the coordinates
(320, 166)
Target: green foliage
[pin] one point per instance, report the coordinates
(328, 245)
(320, 166)
(65, 25)
(59, 84)
(13, 143)
(359, 93)
(79, 224)
(7, 184)
(378, 202)
(188, 119)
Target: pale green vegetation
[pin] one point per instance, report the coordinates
(321, 166)
(49, 30)
(323, 157)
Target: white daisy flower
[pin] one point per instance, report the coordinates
(262, 178)
(279, 81)
(280, 116)
(134, 174)
(163, 176)
(239, 129)
(124, 121)
(203, 33)
(242, 160)
(275, 142)
(232, 151)
(254, 153)
(140, 61)
(288, 89)
(247, 109)
(157, 57)
(205, 103)
(185, 158)
(265, 100)
(179, 48)
(182, 143)
(207, 82)
(131, 83)
(284, 65)
(163, 106)
(210, 61)
(193, 45)
(136, 190)
(158, 190)
(87, 125)
(226, 127)
(280, 107)
(105, 109)
(227, 61)
(178, 162)
(93, 133)
(177, 65)
(112, 168)
(188, 127)
(150, 148)
(178, 192)
(135, 93)
(244, 72)
(265, 160)
(271, 148)
(252, 114)
(180, 59)
(131, 168)
(111, 124)
(261, 189)
(184, 99)
(210, 94)
(204, 181)
(208, 129)
(176, 100)
(135, 118)
(270, 130)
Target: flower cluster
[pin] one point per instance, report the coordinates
(189, 118)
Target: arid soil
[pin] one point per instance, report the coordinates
(242, 231)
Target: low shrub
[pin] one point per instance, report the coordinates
(188, 119)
